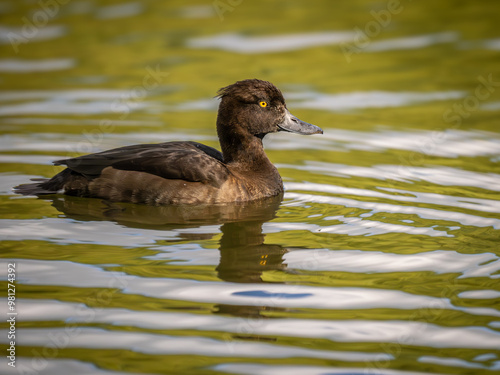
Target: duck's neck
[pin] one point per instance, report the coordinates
(240, 147)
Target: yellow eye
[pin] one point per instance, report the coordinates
(263, 104)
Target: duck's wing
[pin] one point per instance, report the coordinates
(189, 161)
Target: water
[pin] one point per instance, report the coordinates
(381, 258)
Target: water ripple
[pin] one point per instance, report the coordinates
(449, 143)
(265, 369)
(412, 42)
(265, 44)
(43, 33)
(424, 213)
(485, 205)
(84, 276)
(120, 10)
(422, 333)
(28, 66)
(440, 175)
(438, 261)
(352, 226)
(366, 99)
(148, 343)
(59, 367)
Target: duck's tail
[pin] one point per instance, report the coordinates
(44, 186)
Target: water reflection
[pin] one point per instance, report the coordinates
(43, 33)
(368, 99)
(244, 255)
(120, 10)
(66, 102)
(276, 43)
(28, 66)
(166, 217)
(243, 258)
(412, 42)
(290, 42)
(384, 257)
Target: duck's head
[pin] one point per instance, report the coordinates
(257, 107)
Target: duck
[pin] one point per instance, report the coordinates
(187, 172)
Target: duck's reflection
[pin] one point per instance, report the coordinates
(243, 254)
(243, 258)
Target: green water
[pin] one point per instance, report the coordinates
(383, 256)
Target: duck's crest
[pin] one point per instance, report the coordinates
(250, 90)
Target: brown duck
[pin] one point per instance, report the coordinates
(189, 172)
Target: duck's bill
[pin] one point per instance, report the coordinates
(293, 125)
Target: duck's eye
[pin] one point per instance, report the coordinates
(263, 104)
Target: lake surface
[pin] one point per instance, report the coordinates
(381, 258)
